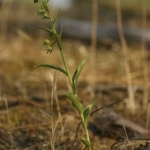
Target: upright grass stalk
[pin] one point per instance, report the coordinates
(58, 109)
(52, 140)
(59, 119)
(144, 53)
(148, 116)
(55, 38)
(131, 102)
(94, 36)
(5, 17)
(92, 68)
(9, 122)
(46, 96)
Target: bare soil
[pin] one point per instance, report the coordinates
(26, 120)
(30, 117)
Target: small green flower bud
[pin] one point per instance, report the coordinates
(46, 42)
(41, 12)
(49, 48)
(45, 16)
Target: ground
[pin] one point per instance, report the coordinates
(34, 113)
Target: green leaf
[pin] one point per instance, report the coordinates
(77, 73)
(86, 142)
(86, 114)
(45, 29)
(60, 31)
(45, 5)
(35, 1)
(75, 101)
(56, 15)
(87, 111)
(54, 67)
(58, 38)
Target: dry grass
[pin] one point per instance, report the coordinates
(28, 90)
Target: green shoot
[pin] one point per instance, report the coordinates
(53, 39)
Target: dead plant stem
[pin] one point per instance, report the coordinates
(9, 122)
(46, 95)
(52, 139)
(148, 116)
(58, 110)
(125, 131)
(94, 37)
(144, 53)
(131, 102)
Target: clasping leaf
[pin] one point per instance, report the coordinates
(45, 5)
(86, 142)
(75, 101)
(45, 29)
(86, 114)
(77, 73)
(54, 67)
(54, 21)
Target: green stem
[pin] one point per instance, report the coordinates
(86, 132)
(69, 77)
(67, 70)
(61, 51)
(59, 43)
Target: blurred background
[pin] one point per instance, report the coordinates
(105, 78)
(18, 33)
(22, 14)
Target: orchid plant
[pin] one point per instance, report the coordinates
(52, 39)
